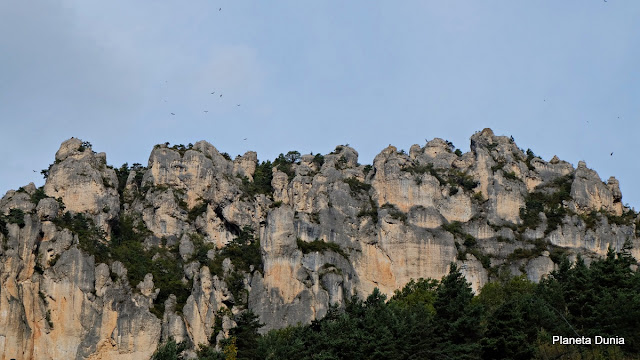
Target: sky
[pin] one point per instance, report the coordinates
(561, 77)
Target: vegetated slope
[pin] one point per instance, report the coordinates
(109, 262)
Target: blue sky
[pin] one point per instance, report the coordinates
(561, 77)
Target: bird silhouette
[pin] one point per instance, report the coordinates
(206, 111)
(220, 95)
(245, 138)
(611, 154)
(213, 93)
(238, 105)
(220, 9)
(172, 114)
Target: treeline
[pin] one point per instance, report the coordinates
(511, 318)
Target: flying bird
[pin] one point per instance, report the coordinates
(213, 93)
(611, 154)
(238, 105)
(206, 111)
(172, 114)
(220, 95)
(220, 9)
(243, 139)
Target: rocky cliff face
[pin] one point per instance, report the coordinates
(79, 258)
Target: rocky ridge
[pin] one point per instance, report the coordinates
(106, 263)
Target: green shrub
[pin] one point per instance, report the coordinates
(627, 218)
(47, 317)
(318, 160)
(244, 253)
(458, 152)
(261, 183)
(38, 195)
(478, 196)
(197, 210)
(169, 351)
(367, 169)
(395, 213)
(511, 175)
(498, 166)
(371, 211)
(285, 163)
(3, 227)
(590, 220)
(16, 216)
(549, 199)
(530, 156)
(356, 185)
(320, 246)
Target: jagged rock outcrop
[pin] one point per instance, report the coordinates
(285, 239)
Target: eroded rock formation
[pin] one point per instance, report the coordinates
(285, 240)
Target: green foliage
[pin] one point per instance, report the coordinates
(314, 217)
(478, 197)
(122, 174)
(85, 145)
(38, 195)
(371, 211)
(395, 213)
(181, 149)
(549, 199)
(511, 175)
(197, 210)
(320, 246)
(261, 183)
(452, 178)
(455, 228)
(627, 218)
(3, 229)
(416, 169)
(416, 293)
(91, 238)
(530, 156)
(458, 152)
(511, 318)
(245, 255)
(498, 166)
(341, 164)
(356, 185)
(318, 160)
(540, 245)
(246, 335)
(367, 169)
(170, 351)
(16, 216)
(127, 247)
(285, 163)
(590, 219)
(243, 251)
(47, 317)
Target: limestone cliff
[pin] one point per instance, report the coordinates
(106, 263)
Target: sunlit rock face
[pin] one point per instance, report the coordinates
(325, 227)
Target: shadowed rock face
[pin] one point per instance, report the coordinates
(328, 228)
